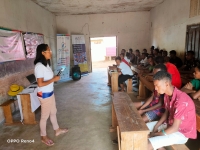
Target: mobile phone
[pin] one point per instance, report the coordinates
(60, 71)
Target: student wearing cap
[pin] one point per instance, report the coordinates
(45, 79)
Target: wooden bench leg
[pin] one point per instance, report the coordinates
(142, 91)
(109, 77)
(114, 82)
(8, 114)
(114, 120)
(129, 86)
(119, 138)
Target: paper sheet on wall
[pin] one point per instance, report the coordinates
(32, 40)
(11, 46)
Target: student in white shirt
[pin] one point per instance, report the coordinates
(144, 60)
(45, 79)
(124, 70)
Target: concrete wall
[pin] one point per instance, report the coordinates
(169, 21)
(24, 15)
(131, 29)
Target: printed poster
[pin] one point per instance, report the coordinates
(31, 41)
(63, 55)
(11, 46)
(79, 52)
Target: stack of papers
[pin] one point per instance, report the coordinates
(28, 90)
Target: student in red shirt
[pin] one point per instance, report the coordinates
(176, 78)
(124, 60)
(178, 123)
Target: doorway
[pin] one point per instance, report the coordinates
(103, 51)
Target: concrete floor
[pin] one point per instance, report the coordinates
(83, 106)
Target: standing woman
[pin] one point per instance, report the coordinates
(45, 81)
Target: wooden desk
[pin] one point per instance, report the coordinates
(144, 84)
(133, 132)
(185, 78)
(135, 69)
(109, 77)
(114, 81)
(28, 115)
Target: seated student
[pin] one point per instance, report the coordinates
(137, 57)
(155, 52)
(127, 57)
(151, 64)
(159, 53)
(176, 78)
(150, 67)
(123, 51)
(124, 70)
(144, 60)
(152, 109)
(174, 59)
(123, 60)
(190, 62)
(178, 123)
(145, 51)
(151, 51)
(165, 55)
(132, 56)
(193, 87)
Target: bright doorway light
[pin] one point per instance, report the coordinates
(103, 49)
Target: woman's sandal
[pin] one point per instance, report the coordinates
(62, 131)
(48, 142)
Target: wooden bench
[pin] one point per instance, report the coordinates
(108, 72)
(179, 147)
(114, 83)
(144, 84)
(133, 132)
(8, 112)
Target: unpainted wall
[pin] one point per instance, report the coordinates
(169, 21)
(26, 16)
(131, 29)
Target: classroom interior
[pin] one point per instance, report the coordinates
(86, 106)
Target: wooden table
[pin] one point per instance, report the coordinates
(185, 78)
(108, 70)
(28, 115)
(144, 84)
(133, 132)
(114, 81)
(135, 69)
